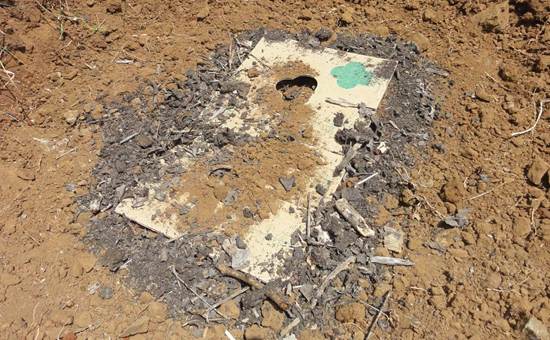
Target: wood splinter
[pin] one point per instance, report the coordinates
(253, 282)
(353, 217)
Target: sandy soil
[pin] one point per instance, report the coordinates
(484, 280)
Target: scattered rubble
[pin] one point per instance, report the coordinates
(198, 273)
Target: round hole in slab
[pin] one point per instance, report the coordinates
(301, 87)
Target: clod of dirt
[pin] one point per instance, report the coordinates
(543, 63)
(71, 116)
(203, 13)
(231, 309)
(508, 72)
(521, 227)
(323, 34)
(537, 170)
(256, 332)
(114, 6)
(432, 16)
(351, 312)
(459, 220)
(346, 17)
(482, 95)
(271, 317)
(453, 191)
(62, 317)
(496, 18)
(140, 326)
(420, 40)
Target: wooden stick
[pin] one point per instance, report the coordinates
(308, 217)
(197, 294)
(224, 300)
(253, 282)
(353, 217)
(375, 321)
(340, 268)
(391, 261)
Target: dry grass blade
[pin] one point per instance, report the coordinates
(7, 76)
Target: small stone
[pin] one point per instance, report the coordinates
(146, 297)
(537, 170)
(458, 252)
(71, 116)
(271, 317)
(113, 7)
(393, 239)
(163, 256)
(352, 312)
(287, 182)
(307, 291)
(482, 95)
(338, 119)
(140, 326)
(537, 329)
(320, 189)
(438, 301)
(105, 292)
(269, 237)
(240, 243)
(247, 212)
(323, 34)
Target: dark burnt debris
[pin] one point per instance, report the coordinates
(141, 135)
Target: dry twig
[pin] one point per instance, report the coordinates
(340, 268)
(196, 294)
(253, 282)
(537, 118)
(375, 321)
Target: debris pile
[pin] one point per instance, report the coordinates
(350, 237)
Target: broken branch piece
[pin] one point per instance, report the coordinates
(340, 268)
(391, 261)
(253, 282)
(353, 217)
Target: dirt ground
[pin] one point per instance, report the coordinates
(484, 279)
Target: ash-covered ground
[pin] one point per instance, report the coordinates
(145, 131)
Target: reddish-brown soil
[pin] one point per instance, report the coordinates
(485, 280)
